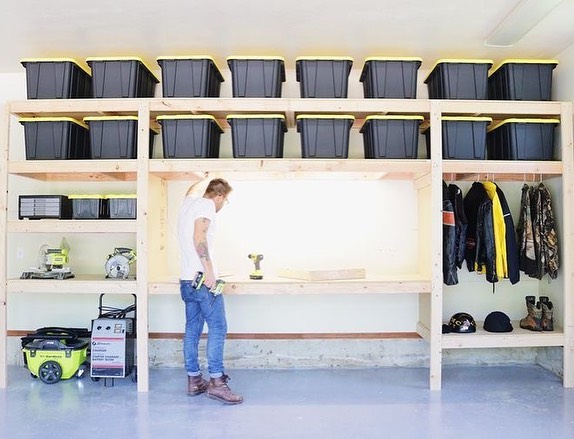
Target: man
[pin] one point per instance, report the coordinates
(196, 229)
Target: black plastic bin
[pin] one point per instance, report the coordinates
(256, 76)
(522, 80)
(57, 78)
(122, 206)
(391, 137)
(522, 139)
(324, 136)
(323, 77)
(121, 77)
(115, 137)
(190, 136)
(189, 76)
(44, 206)
(257, 135)
(463, 137)
(390, 77)
(55, 138)
(459, 79)
(89, 206)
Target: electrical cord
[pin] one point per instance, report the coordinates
(110, 312)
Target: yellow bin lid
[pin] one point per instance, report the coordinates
(256, 57)
(524, 61)
(190, 57)
(458, 61)
(522, 120)
(467, 118)
(394, 117)
(121, 58)
(85, 68)
(52, 119)
(326, 116)
(255, 116)
(121, 196)
(188, 117)
(100, 118)
(87, 196)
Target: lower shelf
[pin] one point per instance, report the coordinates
(482, 339)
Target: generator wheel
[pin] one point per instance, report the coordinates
(135, 374)
(50, 372)
(81, 373)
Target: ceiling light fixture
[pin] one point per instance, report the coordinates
(521, 20)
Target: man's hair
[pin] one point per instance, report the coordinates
(218, 186)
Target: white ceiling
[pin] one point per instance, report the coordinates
(430, 29)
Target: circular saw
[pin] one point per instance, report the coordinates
(118, 263)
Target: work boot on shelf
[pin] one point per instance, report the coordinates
(547, 322)
(218, 389)
(196, 385)
(533, 320)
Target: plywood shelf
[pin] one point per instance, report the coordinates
(276, 285)
(72, 226)
(81, 284)
(508, 170)
(273, 169)
(75, 170)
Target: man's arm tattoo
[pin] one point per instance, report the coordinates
(202, 251)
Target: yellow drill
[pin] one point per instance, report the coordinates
(256, 274)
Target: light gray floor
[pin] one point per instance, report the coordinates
(476, 402)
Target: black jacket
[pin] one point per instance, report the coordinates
(512, 252)
(480, 248)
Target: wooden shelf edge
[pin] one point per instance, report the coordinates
(286, 286)
(77, 285)
(72, 226)
(517, 338)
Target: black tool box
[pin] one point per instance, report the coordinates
(44, 207)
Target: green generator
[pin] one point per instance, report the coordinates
(54, 354)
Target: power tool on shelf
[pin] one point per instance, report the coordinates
(118, 263)
(256, 274)
(52, 263)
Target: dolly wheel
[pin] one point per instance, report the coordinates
(50, 372)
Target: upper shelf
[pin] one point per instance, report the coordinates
(290, 107)
(87, 170)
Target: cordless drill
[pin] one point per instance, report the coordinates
(256, 274)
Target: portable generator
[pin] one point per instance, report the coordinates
(52, 354)
(113, 343)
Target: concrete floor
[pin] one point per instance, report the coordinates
(482, 402)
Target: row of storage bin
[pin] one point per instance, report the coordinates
(77, 206)
(319, 77)
(262, 136)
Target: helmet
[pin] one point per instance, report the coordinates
(462, 322)
(497, 321)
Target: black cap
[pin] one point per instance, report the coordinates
(497, 321)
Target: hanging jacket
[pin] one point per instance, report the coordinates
(525, 232)
(548, 237)
(499, 230)
(450, 276)
(538, 249)
(512, 258)
(461, 223)
(480, 252)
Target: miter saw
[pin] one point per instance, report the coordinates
(118, 263)
(52, 263)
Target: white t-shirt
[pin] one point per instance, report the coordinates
(194, 207)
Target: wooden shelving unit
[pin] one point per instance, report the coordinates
(152, 175)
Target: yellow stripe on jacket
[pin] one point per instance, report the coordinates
(499, 230)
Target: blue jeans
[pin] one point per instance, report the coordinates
(202, 306)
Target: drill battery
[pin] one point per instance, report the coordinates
(200, 278)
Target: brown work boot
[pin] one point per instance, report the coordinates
(196, 385)
(547, 322)
(533, 320)
(218, 389)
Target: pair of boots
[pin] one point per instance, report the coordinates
(540, 314)
(217, 388)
